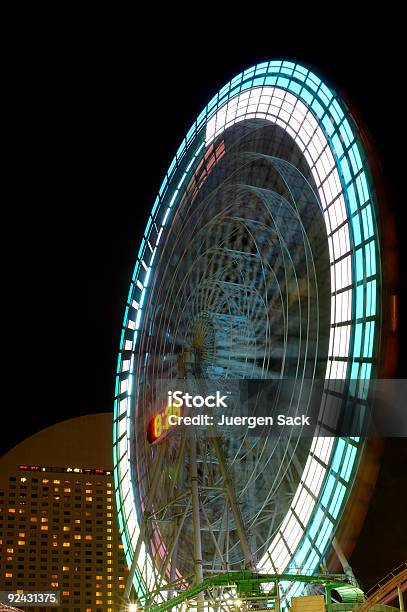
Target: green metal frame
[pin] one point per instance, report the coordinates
(248, 582)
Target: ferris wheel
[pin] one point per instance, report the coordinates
(260, 261)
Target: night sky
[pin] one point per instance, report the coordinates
(98, 121)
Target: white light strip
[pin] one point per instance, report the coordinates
(288, 111)
(283, 108)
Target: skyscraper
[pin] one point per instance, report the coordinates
(58, 530)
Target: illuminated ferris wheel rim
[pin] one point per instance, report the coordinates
(292, 97)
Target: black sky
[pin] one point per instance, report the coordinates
(97, 119)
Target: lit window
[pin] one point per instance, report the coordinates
(33, 519)
(12, 510)
(10, 549)
(88, 537)
(66, 528)
(109, 514)
(44, 520)
(54, 584)
(21, 542)
(65, 593)
(99, 593)
(56, 481)
(109, 546)
(44, 527)
(99, 577)
(23, 479)
(66, 544)
(65, 568)
(22, 534)
(45, 480)
(8, 574)
(78, 521)
(77, 536)
(89, 499)
(67, 490)
(109, 554)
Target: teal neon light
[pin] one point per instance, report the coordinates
(336, 123)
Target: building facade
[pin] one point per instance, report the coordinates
(58, 530)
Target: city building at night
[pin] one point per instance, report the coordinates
(57, 521)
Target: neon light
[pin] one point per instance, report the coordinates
(293, 97)
(159, 425)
